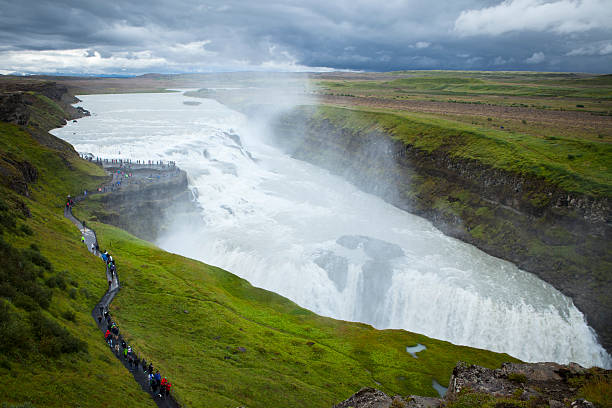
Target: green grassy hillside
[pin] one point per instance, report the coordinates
(52, 355)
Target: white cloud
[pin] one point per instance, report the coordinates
(77, 60)
(561, 17)
(499, 61)
(604, 48)
(536, 58)
(422, 44)
(190, 36)
(289, 67)
(189, 57)
(284, 61)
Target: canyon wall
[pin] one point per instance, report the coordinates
(562, 237)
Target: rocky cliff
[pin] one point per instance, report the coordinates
(513, 385)
(146, 208)
(561, 236)
(39, 106)
(35, 107)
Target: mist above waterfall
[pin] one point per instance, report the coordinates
(294, 228)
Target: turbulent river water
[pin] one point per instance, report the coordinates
(297, 230)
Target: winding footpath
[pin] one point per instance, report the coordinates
(113, 288)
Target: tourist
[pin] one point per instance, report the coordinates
(157, 379)
(167, 390)
(162, 387)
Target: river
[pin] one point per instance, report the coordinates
(295, 229)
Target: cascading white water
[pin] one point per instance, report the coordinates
(293, 228)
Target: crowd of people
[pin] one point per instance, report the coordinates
(99, 160)
(142, 370)
(158, 385)
(121, 162)
(110, 265)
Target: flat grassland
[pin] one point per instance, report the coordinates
(553, 105)
(525, 120)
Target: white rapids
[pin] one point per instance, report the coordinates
(295, 229)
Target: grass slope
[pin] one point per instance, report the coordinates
(33, 370)
(226, 343)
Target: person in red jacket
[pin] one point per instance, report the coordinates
(162, 387)
(166, 385)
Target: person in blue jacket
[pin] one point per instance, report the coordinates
(157, 380)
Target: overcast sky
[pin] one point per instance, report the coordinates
(173, 36)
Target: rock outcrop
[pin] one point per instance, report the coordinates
(14, 108)
(39, 106)
(145, 209)
(17, 174)
(537, 384)
(17, 98)
(373, 398)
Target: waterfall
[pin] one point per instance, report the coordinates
(295, 229)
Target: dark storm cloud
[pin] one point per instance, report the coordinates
(188, 35)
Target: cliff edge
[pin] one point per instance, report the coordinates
(514, 385)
